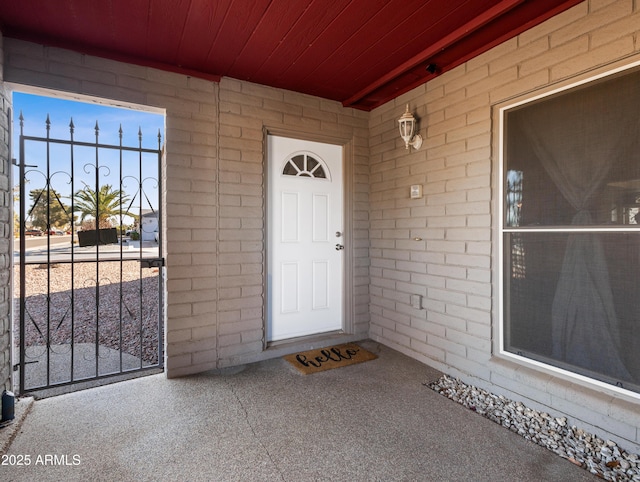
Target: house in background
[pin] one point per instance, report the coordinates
(502, 251)
(148, 225)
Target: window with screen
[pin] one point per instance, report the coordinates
(570, 227)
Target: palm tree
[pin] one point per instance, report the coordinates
(101, 205)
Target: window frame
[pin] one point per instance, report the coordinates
(499, 115)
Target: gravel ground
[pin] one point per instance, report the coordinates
(113, 319)
(600, 457)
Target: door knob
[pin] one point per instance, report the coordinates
(339, 247)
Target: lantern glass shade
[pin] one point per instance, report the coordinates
(407, 125)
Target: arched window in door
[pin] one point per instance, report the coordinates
(305, 165)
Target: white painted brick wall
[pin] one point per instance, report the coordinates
(214, 192)
(455, 266)
(6, 233)
(247, 109)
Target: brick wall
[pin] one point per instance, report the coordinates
(246, 110)
(454, 266)
(214, 198)
(189, 177)
(214, 192)
(6, 234)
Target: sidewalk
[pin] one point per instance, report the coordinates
(61, 253)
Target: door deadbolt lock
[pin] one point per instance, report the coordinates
(339, 247)
(338, 234)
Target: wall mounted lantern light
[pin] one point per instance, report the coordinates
(407, 124)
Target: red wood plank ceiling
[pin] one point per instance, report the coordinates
(362, 53)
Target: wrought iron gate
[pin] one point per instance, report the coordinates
(90, 259)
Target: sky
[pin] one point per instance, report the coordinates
(135, 169)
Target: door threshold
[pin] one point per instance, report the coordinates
(305, 339)
(309, 342)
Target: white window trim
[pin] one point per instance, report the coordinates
(499, 114)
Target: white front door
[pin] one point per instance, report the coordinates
(305, 252)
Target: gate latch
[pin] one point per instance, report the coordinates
(152, 263)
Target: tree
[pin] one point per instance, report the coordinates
(101, 205)
(58, 214)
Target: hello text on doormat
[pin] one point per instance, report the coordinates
(322, 359)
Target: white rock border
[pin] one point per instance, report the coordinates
(600, 457)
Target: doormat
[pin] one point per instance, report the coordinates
(322, 359)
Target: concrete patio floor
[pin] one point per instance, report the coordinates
(266, 421)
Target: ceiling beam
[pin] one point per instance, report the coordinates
(460, 33)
